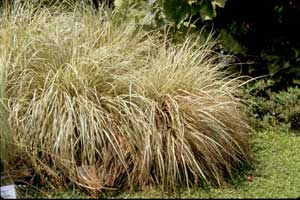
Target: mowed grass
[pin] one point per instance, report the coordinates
(277, 174)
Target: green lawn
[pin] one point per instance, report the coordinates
(277, 174)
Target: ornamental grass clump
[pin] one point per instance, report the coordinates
(105, 105)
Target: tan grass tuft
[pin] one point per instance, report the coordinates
(108, 106)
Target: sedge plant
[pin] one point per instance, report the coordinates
(107, 105)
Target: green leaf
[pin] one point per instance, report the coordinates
(273, 68)
(219, 3)
(175, 10)
(230, 44)
(206, 11)
(215, 3)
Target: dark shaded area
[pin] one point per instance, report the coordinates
(263, 20)
(97, 3)
(269, 32)
(295, 119)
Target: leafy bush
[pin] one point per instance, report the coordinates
(269, 109)
(268, 38)
(107, 106)
(174, 13)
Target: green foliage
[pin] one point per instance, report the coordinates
(269, 38)
(174, 13)
(179, 11)
(144, 13)
(268, 109)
